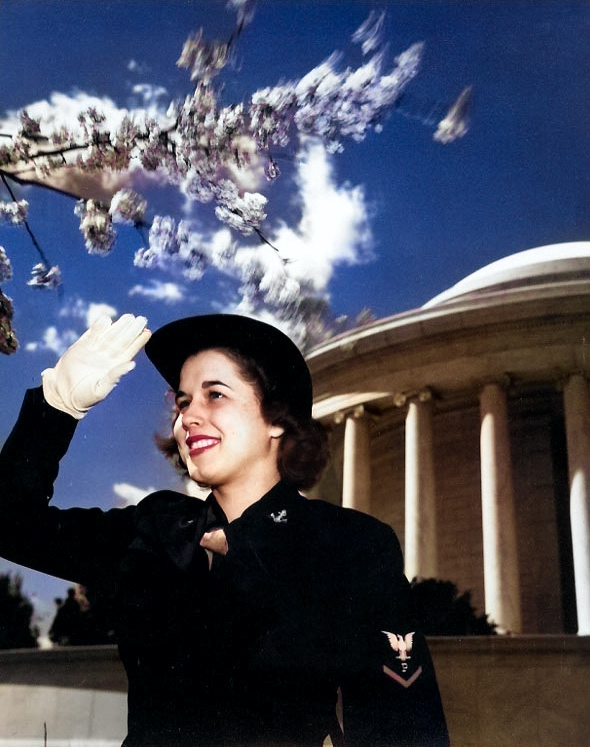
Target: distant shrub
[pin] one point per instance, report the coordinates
(16, 615)
(442, 610)
(84, 618)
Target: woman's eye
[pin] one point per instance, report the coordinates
(213, 394)
(182, 404)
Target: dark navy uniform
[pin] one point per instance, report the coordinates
(247, 648)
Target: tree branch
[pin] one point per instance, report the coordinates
(32, 236)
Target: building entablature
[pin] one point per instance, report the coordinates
(454, 349)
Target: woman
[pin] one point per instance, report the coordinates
(238, 618)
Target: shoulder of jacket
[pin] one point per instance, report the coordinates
(350, 539)
(348, 519)
(168, 502)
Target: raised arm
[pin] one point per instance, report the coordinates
(32, 533)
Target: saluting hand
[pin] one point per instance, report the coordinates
(92, 366)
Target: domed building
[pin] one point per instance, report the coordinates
(465, 425)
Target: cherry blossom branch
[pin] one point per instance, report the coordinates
(210, 154)
(25, 223)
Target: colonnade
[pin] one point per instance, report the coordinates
(577, 427)
(500, 545)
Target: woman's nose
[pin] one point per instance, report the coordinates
(192, 414)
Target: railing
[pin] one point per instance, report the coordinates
(520, 691)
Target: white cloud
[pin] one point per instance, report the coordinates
(130, 494)
(153, 99)
(334, 226)
(75, 308)
(221, 246)
(62, 109)
(334, 229)
(293, 327)
(169, 293)
(87, 312)
(96, 310)
(54, 341)
(57, 340)
(139, 68)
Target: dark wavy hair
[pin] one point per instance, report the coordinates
(303, 448)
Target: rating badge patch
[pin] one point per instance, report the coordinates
(402, 645)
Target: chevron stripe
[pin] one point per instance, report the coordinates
(401, 680)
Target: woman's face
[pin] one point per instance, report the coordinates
(221, 434)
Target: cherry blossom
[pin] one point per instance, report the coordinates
(96, 225)
(14, 213)
(8, 340)
(5, 266)
(41, 277)
(456, 122)
(202, 148)
(210, 153)
(128, 207)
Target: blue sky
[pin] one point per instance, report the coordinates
(395, 219)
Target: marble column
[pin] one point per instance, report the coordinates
(420, 504)
(501, 580)
(576, 397)
(356, 475)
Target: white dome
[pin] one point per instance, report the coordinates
(545, 264)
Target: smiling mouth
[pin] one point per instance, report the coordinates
(199, 444)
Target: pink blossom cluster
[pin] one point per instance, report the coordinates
(14, 213)
(174, 244)
(5, 266)
(41, 277)
(206, 151)
(329, 104)
(204, 146)
(127, 207)
(96, 225)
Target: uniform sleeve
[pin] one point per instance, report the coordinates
(390, 694)
(79, 545)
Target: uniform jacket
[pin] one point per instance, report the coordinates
(251, 647)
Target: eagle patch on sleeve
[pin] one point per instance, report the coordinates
(402, 646)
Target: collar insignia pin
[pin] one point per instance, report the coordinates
(280, 517)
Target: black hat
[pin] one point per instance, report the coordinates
(281, 360)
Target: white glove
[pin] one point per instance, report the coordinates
(91, 367)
